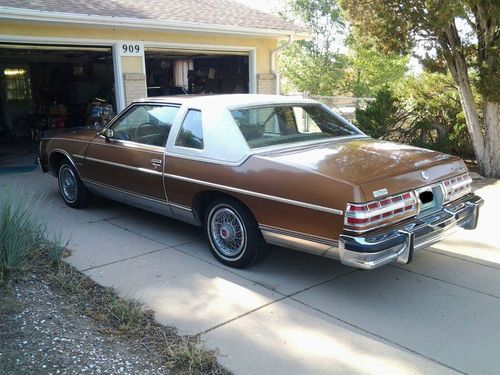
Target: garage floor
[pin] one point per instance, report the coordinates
(296, 313)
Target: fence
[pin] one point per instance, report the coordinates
(343, 105)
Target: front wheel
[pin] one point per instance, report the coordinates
(233, 234)
(74, 193)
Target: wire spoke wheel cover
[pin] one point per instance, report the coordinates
(227, 233)
(68, 184)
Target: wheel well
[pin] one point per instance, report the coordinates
(55, 161)
(203, 199)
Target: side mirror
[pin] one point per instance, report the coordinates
(107, 134)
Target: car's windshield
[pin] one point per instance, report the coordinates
(280, 124)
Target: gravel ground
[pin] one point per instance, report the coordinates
(42, 332)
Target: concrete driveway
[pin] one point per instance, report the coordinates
(296, 313)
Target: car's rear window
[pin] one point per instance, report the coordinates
(280, 124)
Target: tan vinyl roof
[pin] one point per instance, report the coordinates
(202, 12)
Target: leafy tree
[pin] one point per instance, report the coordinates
(399, 26)
(437, 118)
(314, 66)
(424, 111)
(369, 71)
(306, 71)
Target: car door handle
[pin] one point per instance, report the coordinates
(156, 162)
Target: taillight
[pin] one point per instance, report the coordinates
(360, 215)
(457, 186)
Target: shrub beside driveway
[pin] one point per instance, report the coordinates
(54, 318)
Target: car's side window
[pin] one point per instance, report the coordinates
(191, 131)
(146, 124)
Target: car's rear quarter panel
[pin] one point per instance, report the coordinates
(273, 179)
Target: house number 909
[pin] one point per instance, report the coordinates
(131, 49)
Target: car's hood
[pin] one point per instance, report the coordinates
(371, 163)
(80, 133)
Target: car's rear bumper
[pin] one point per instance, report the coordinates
(399, 243)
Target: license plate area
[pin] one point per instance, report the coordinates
(430, 199)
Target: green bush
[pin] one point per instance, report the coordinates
(381, 117)
(54, 246)
(424, 112)
(23, 232)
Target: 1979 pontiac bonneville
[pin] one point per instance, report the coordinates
(256, 170)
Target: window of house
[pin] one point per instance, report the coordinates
(191, 132)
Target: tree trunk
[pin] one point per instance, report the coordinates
(486, 147)
(491, 165)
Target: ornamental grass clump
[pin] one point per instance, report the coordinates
(21, 230)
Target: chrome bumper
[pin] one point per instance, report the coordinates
(400, 243)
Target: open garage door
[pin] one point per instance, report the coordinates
(174, 72)
(49, 86)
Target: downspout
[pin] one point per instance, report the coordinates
(273, 63)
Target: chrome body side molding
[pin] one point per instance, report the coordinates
(256, 194)
(169, 209)
(143, 170)
(58, 150)
(300, 241)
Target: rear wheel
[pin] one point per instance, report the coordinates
(74, 193)
(233, 234)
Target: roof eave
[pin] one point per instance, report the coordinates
(18, 14)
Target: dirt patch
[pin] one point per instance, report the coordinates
(57, 321)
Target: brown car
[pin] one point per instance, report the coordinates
(256, 170)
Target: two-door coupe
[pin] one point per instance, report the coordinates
(263, 169)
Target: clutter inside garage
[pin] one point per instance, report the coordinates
(47, 87)
(177, 72)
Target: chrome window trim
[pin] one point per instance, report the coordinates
(256, 194)
(137, 145)
(305, 144)
(138, 169)
(236, 107)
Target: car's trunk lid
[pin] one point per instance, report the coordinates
(372, 164)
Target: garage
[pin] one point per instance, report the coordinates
(53, 87)
(174, 72)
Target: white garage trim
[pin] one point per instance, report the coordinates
(117, 68)
(251, 51)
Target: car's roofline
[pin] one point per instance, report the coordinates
(226, 100)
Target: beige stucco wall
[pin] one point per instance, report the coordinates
(263, 46)
(133, 67)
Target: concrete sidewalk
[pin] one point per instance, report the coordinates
(296, 313)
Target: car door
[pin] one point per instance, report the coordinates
(128, 165)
